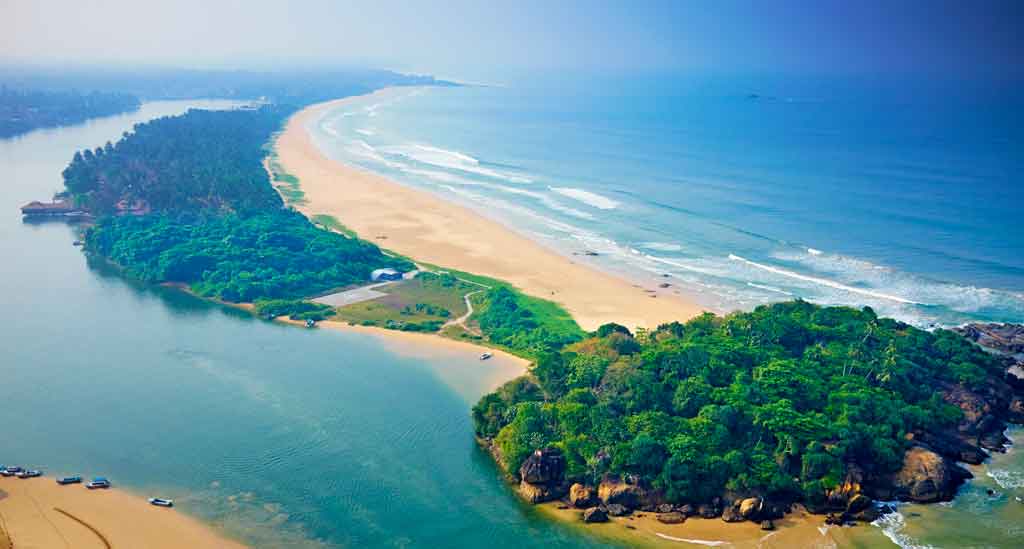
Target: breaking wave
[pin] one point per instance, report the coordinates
(452, 160)
(823, 281)
(892, 525)
(587, 197)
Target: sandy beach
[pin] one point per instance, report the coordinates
(430, 229)
(40, 513)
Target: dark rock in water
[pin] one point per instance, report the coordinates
(869, 514)
(582, 496)
(927, 477)
(544, 466)
(672, 517)
(990, 492)
(858, 503)
(595, 514)
(708, 511)
(664, 508)
(618, 510)
(1008, 338)
(767, 525)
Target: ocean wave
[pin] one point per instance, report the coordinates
(814, 251)
(1007, 480)
(709, 543)
(823, 281)
(587, 197)
(452, 160)
(365, 131)
(769, 288)
(661, 246)
(892, 525)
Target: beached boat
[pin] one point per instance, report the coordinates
(10, 471)
(310, 323)
(485, 356)
(98, 482)
(69, 480)
(30, 473)
(160, 502)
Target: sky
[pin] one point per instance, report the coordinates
(463, 38)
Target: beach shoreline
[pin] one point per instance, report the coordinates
(420, 225)
(40, 513)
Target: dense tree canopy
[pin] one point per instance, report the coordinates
(268, 255)
(777, 401)
(201, 160)
(22, 111)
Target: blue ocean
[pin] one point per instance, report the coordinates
(742, 191)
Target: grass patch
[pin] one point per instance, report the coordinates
(424, 303)
(331, 223)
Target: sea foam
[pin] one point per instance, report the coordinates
(822, 281)
(452, 160)
(587, 197)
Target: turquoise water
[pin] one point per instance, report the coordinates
(282, 436)
(903, 198)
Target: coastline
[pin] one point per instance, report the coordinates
(418, 224)
(40, 513)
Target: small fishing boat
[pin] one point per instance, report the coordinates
(10, 471)
(98, 482)
(69, 480)
(160, 502)
(485, 356)
(30, 473)
(310, 323)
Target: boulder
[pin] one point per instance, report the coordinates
(664, 508)
(613, 490)
(927, 477)
(544, 466)
(1015, 375)
(539, 493)
(582, 496)
(767, 525)
(732, 514)
(1015, 411)
(1008, 338)
(749, 508)
(688, 510)
(672, 517)
(858, 503)
(618, 510)
(595, 514)
(708, 511)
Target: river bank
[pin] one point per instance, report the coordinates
(40, 513)
(420, 225)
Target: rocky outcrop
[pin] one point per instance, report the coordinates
(927, 477)
(582, 496)
(615, 490)
(671, 517)
(618, 510)
(731, 513)
(749, 508)
(595, 514)
(542, 476)
(1007, 338)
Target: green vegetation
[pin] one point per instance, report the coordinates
(24, 111)
(295, 309)
(240, 258)
(780, 401)
(523, 324)
(423, 304)
(285, 183)
(331, 223)
(203, 160)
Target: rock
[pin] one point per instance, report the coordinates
(1015, 375)
(749, 508)
(837, 519)
(708, 511)
(582, 496)
(858, 503)
(618, 510)
(869, 514)
(732, 514)
(672, 517)
(630, 527)
(1015, 411)
(617, 491)
(539, 493)
(544, 466)
(927, 477)
(664, 508)
(595, 514)
(688, 510)
(1008, 338)
(767, 525)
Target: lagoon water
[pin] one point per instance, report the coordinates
(745, 191)
(282, 436)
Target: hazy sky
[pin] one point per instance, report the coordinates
(459, 38)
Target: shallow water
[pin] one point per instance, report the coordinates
(284, 437)
(840, 193)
